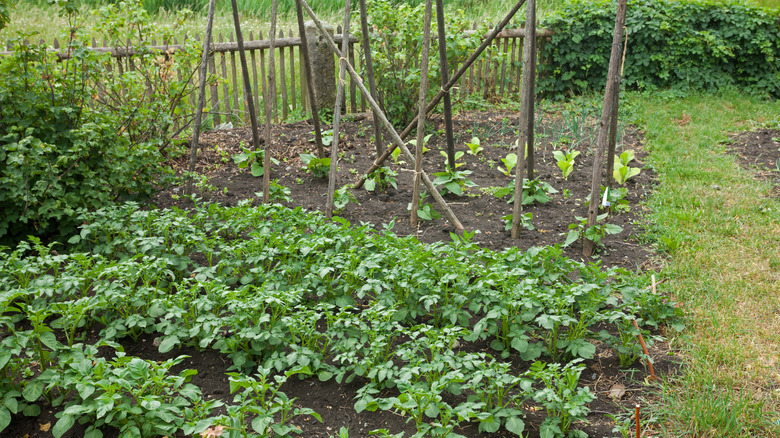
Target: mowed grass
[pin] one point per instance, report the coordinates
(722, 231)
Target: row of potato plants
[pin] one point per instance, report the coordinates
(284, 292)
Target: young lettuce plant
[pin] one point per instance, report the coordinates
(474, 147)
(566, 161)
(510, 161)
(622, 171)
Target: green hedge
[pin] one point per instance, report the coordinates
(704, 45)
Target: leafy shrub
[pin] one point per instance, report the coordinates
(80, 133)
(396, 44)
(5, 11)
(699, 44)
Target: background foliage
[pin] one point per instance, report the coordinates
(703, 45)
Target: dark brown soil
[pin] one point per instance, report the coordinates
(760, 152)
(477, 211)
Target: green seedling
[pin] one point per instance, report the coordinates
(382, 178)
(526, 221)
(319, 167)
(425, 211)
(622, 171)
(414, 143)
(474, 147)
(252, 159)
(510, 161)
(595, 233)
(342, 197)
(277, 192)
(458, 156)
(534, 190)
(566, 161)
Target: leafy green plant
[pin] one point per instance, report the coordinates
(458, 156)
(413, 142)
(474, 147)
(342, 197)
(622, 171)
(453, 181)
(526, 221)
(595, 233)
(563, 401)
(565, 161)
(510, 161)
(534, 190)
(277, 192)
(253, 159)
(319, 167)
(382, 178)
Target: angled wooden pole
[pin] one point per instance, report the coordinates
(247, 87)
(421, 111)
(380, 148)
(388, 126)
(270, 108)
(334, 145)
(526, 121)
(444, 90)
(315, 115)
(601, 142)
(444, 80)
(194, 144)
(613, 122)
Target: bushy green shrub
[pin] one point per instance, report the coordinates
(396, 45)
(5, 12)
(78, 133)
(697, 44)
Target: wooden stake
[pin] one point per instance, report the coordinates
(380, 148)
(532, 101)
(315, 115)
(444, 80)
(638, 428)
(334, 145)
(201, 97)
(613, 122)
(270, 110)
(444, 90)
(601, 142)
(388, 126)
(526, 121)
(421, 110)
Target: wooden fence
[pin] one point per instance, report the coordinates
(225, 96)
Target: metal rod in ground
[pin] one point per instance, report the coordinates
(444, 79)
(270, 108)
(247, 86)
(418, 155)
(448, 213)
(201, 98)
(531, 162)
(380, 148)
(444, 90)
(526, 123)
(315, 115)
(613, 84)
(334, 145)
(613, 121)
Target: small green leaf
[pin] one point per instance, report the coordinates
(168, 343)
(515, 425)
(63, 425)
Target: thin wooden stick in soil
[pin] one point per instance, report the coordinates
(613, 84)
(270, 109)
(444, 80)
(526, 122)
(304, 49)
(247, 87)
(388, 126)
(334, 145)
(444, 90)
(201, 97)
(613, 121)
(421, 114)
(380, 148)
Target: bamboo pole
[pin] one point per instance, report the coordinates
(388, 126)
(334, 145)
(201, 97)
(380, 148)
(315, 115)
(421, 105)
(526, 121)
(444, 90)
(601, 142)
(247, 87)
(444, 80)
(270, 108)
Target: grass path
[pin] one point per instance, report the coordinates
(723, 235)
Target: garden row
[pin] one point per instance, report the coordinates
(457, 333)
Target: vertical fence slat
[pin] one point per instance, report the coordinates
(225, 88)
(519, 76)
(263, 72)
(352, 85)
(292, 74)
(512, 66)
(283, 82)
(256, 92)
(214, 92)
(504, 58)
(236, 89)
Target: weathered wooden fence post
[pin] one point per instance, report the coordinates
(323, 67)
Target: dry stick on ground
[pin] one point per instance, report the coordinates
(201, 98)
(526, 121)
(444, 90)
(334, 145)
(444, 79)
(613, 122)
(247, 87)
(613, 85)
(380, 148)
(388, 126)
(270, 109)
(315, 115)
(421, 114)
